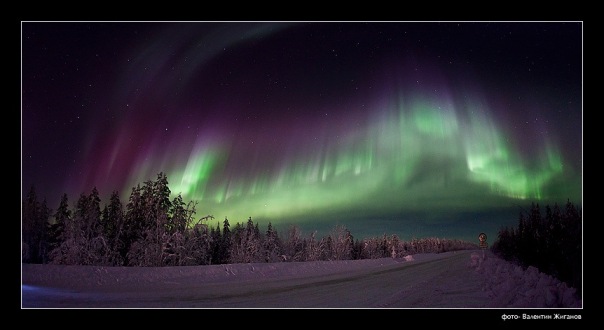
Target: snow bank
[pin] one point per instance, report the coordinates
(511, 285)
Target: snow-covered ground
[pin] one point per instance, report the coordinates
(459, 279)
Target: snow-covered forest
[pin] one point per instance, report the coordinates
(152, 230)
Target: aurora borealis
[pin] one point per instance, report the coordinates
(413, 128)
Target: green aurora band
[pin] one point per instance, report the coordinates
(415, 155)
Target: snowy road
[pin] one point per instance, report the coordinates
(428, 281)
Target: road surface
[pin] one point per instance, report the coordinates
(428, 281)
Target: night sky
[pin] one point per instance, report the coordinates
(411, 128)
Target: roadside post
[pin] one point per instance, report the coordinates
(483, 243)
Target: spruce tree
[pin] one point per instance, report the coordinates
(215, 244)
(34, 228)
(271, 244)
(225, 246)
(62, 218)
(113, 229)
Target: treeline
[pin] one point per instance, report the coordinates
(152, 230)
(550, 242)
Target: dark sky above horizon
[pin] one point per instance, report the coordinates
(414, 128)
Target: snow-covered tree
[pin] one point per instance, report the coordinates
(34, 222)
(313, 248)
(149, 223)
(35, 230)
(253, 242)
(272, 245)
(293, 245)
(342, 243)
(113, 229)
(133, 223)
(57, 231)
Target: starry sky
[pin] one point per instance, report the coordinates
(411, 128)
